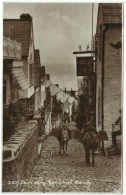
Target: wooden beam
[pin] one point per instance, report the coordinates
(81, 52)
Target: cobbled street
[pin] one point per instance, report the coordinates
(54, 173)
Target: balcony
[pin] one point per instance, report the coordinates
(11, 49)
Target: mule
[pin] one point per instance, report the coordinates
(90, 143)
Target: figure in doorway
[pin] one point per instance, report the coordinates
(116, 133)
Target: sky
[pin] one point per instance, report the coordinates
(58, 29)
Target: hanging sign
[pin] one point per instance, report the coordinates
(84, 66)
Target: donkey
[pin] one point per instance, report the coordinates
(63, 139)
(90, 143)
(63, 135)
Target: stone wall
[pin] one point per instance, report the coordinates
(112, 82)
(19, 155)
(112, 78)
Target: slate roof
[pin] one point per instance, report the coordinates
(19, 30)
(111, 13)
(54, 89)
(71, 99)
(47, 83)
(62, 96)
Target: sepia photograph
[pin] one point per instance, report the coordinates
(62, 97)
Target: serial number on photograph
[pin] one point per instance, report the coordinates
(50, 182)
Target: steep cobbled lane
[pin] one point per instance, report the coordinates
(54, 173)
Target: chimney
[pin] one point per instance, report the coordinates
(65, 90)
(48, 76)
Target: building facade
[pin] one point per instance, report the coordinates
(87, 97)
(23, 75)
(108, 42)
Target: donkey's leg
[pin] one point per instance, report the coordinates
(87, 156)
(66, 149)
(93, 161)
(63, 148)
(60, 148)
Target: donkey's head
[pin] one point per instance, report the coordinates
(64, 135)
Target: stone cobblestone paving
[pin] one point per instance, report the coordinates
(70, 173)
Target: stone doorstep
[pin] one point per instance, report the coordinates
(16, 139)
(32, 122)
(30, 125)
(23, 135)
(9, 152)
(27, 129)
(23, 130)
(20, 136)
(18, 142)
(12, 147)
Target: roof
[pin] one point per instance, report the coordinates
(20, 80)
(19, 30)
(71, 100)
(47, 83)
(111, 13)
(62, 96)
(54, 89)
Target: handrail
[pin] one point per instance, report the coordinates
(12, 41)
(11, 49)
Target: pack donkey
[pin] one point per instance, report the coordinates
(90, 139)
(90, 143)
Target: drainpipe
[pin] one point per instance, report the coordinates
(103, 53)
